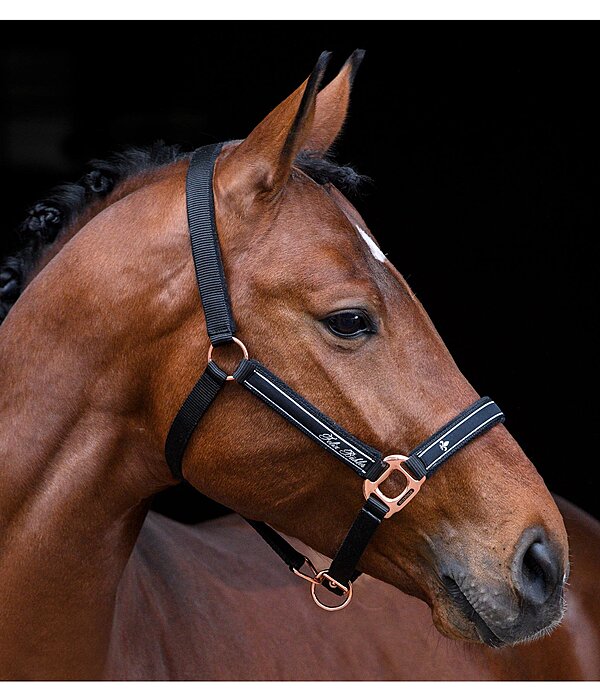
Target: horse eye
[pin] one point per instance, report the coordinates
(349, 324)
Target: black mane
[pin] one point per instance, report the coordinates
(47, 219)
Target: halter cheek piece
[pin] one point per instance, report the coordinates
(364, 460)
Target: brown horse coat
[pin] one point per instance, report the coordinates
(211, 602)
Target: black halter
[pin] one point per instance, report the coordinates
(365, 460)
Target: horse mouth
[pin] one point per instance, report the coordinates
(462, 602)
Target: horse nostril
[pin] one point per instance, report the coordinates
(536, 569)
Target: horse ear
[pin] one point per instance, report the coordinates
(262, 163)
(332, 106)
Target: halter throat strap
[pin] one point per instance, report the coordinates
(365, 460)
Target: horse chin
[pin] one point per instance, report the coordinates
(457, 619)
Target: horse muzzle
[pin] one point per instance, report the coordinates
(524, 604)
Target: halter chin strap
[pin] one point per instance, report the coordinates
(364, 460)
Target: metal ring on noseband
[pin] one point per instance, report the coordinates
(239, 343)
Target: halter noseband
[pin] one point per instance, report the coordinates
(364, 460)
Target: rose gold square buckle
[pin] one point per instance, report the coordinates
(397, 503)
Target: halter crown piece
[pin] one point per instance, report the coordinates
(364, 460)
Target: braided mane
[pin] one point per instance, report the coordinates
(50, 218)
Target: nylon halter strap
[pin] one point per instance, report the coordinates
(366, 461)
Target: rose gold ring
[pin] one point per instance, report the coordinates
(411, 489)
(336, 584)
(239, 343)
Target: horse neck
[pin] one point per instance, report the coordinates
(77, 466)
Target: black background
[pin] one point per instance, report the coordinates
(481, 138)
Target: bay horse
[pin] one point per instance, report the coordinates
(105, 341)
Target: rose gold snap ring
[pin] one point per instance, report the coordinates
(307, 577)
(319, 580)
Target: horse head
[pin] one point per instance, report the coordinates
(317, 301)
